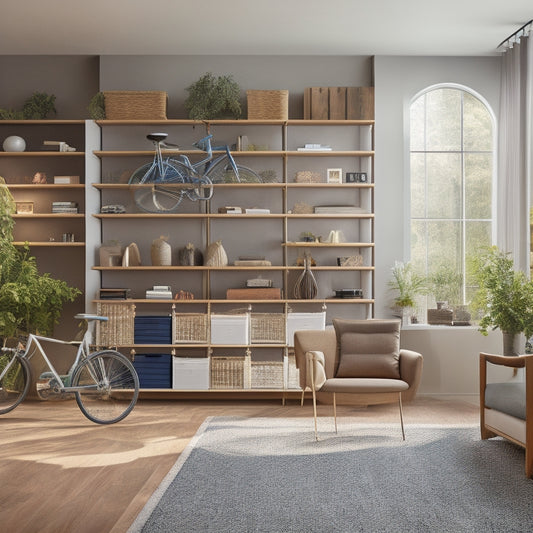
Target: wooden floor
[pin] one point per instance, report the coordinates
(61, 473)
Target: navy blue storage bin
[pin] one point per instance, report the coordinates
(153, 330)
(154, 370)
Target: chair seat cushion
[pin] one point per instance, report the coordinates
(364, 385)
(509, 398)
(368, 348)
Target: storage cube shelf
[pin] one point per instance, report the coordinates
(154, 370)
(250, 349)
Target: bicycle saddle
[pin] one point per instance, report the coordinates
(157, 137)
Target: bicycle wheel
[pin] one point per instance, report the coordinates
(15, 383)
(222, 172)
(161, 196)
(110, 387)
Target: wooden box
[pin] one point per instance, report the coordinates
(339, 103)
(265, 293)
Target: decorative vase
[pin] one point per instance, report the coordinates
(190, 256)
(306, 287)
(216, 255)
(510, 344)
(161, 252)
(14, 143)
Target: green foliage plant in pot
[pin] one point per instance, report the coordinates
(504, 298)
(30, 302)
(408, 284)
(213, 97)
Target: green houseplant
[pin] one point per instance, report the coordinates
(408, 284)
(30, 302)
(504, 298)
(213, 97)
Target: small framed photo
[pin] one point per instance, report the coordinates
(24, 208)
(356, 177)
(334, 175)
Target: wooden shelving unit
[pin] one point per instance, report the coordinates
(273, 234)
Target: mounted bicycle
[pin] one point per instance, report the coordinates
(161, 185)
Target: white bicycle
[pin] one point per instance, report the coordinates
(105, 383)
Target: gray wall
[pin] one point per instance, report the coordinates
(174, 74)
(72, 79)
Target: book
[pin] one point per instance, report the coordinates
(158, 295)
(252, 262)
(256, 211)
(230, 210)
(66, 180)
(339, 209)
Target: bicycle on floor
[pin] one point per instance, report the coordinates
(161, 185)
(105, 383)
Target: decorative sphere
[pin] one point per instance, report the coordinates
(14, 144)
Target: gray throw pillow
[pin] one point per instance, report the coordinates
(368, 348)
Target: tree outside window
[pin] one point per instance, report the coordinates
(451, 184)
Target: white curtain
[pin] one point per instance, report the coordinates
(515, 151)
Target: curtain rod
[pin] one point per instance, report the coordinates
(515, 33)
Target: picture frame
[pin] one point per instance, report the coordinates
(24, 208)
(334, 175)
(356, 177)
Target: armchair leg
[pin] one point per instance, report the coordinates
(314, 414)
(401, 414)
(335, 411)
(302, 398)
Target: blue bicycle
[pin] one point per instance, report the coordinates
(160, 186)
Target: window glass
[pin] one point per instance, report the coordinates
(451, 184)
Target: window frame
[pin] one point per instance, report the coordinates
(462, 153)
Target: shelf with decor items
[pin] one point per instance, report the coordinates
(296, 182)
(48, 186)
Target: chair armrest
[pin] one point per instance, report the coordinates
(411, 363)
(316, 369)
(503, 360)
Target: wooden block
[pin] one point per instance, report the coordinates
(337, 103)
(254, 294)
(360, 103)
(319, 103)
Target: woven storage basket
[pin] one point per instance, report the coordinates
(306, 176)
(266, 328)
(230, 372)
(135, 105)
(268, 105)
(190, 328)
(267, 375)
(119, 329)
(293, 373)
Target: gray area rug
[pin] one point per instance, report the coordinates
(270, 475)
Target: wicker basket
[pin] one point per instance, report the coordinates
(293, 373)
(266, 328)
(135, 105)
(268, 105)
(306, 176)
(190, 328)
(267, 374)
(231, 372)
(119, 329)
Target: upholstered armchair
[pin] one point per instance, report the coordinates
(361, 358)
(506, 408)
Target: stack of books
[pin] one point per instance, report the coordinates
(312, 147)
(339, 209)
(65, 207)
(115, 294)
(159, 292)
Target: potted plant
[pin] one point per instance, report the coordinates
(504, 298)
(213, 97)
(408, 283)
(30, 302)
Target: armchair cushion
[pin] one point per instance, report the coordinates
(509, 398)
(368, 348)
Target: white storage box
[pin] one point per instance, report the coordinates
(190, 373)
(301, 321)
(230, 329)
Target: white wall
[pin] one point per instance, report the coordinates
(450, 354)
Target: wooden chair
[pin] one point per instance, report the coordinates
(506, 408)
(361, 358)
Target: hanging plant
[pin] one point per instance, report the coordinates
(213, 97)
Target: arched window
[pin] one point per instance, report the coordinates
(451, 184)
